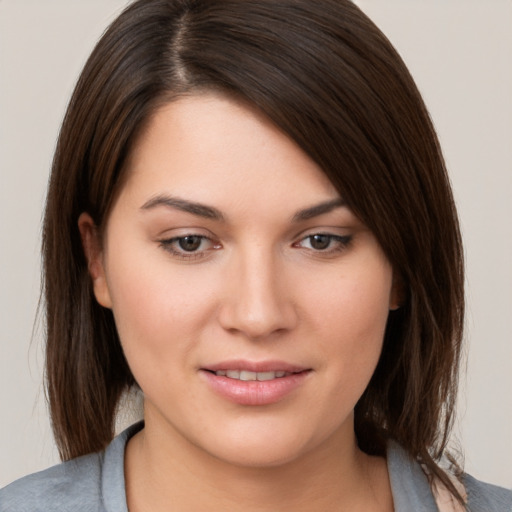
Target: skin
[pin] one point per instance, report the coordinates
(256, 288)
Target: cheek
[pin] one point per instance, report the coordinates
(356, 306)
(349, 322)
(158, 310)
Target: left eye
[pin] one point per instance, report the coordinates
(324, 242)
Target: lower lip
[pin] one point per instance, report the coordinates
(255, 392)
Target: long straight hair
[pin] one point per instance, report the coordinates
(324, 74)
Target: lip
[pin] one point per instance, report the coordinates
(255, 393)
(255, 366)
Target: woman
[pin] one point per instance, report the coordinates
(249, 218)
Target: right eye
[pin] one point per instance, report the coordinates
(189, 246)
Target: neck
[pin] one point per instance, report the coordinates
(164, 471)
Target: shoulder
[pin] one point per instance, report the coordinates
(411, 488)
(60, 488)
(92, 483)
(484, 497)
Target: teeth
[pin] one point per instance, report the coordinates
(247, 375)
(267, 375)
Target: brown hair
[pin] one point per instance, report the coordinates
(330, 80)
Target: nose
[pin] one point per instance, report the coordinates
(257, 301)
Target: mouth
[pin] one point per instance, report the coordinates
(246, 375)
(261, 383)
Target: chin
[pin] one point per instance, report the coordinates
(266, 448)
(261, 456)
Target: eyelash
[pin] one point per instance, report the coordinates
(169, 245)
(341, 243)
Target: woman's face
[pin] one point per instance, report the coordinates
(250, 302)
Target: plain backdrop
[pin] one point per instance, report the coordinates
(459, 51)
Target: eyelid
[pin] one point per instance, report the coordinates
(338, 242)
(342, 242)
(168, 244)
(333, 230)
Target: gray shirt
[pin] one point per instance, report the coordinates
(95, 483)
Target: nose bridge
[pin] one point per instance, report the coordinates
(258, 302)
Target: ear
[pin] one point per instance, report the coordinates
(397, 295)
(93, 250)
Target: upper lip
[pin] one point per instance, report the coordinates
(255, 366)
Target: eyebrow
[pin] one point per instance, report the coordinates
(201, 210)
(209, 212)
(318, 209)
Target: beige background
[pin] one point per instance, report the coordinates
(460, 52)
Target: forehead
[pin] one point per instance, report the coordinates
(210, 147)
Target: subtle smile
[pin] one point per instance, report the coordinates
(254, 383)
(246, 375)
